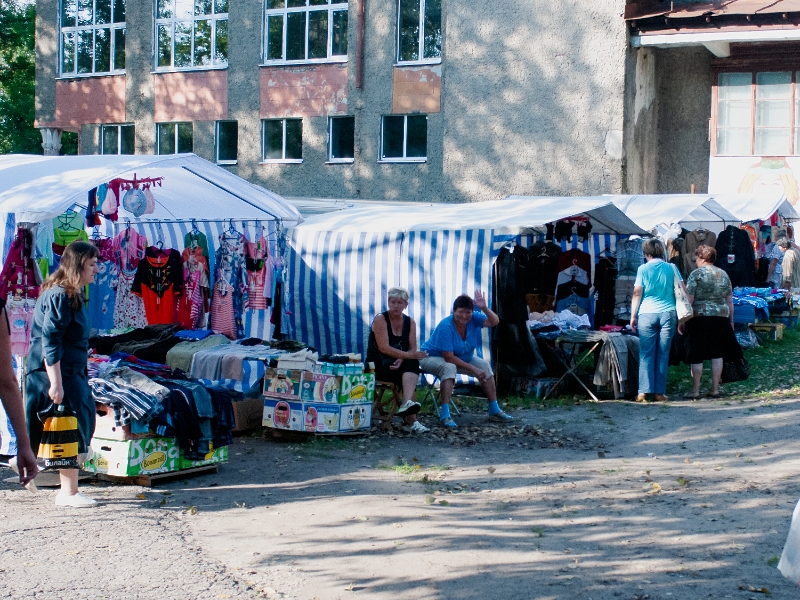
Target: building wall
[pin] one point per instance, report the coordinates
(683, 81)
(641, 123)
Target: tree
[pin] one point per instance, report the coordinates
(17, 78)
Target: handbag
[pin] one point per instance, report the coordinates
(735, 370)
(59, 444)
(682, 305)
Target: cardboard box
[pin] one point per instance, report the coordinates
(282, 383)
(283, 414)
(248, 414)
(133, 457)
(106, 428)
(294, 363)
(320, 387)
(217, 455)
(336, 418)
(357, 388)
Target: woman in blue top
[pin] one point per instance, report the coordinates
(655, 318)
(451, 350)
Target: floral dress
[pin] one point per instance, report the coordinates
(230, 292)
(129, 247)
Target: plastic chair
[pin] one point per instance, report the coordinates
(430, 390)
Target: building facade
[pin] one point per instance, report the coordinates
(423, 100)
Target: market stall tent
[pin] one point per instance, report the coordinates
(341, 264)
(749, 207)
(691, 211)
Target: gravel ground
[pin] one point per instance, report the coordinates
(595, 501)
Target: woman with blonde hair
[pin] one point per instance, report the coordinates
(58, 358)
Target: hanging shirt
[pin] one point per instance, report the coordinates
(159, 281)
(20, 273)
(103, 292)
(229, 295)
(257, 262)
(193, 304)
(129, 247)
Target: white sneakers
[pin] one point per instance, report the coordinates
(417, 427)
(76, 501)
(409, 407)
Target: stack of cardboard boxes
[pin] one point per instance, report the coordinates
(319, 397)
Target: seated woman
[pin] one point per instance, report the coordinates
(392, 347)
(452, 350)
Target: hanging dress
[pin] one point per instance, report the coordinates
(129, 247)
(229, 295)
(257, 262)
(103, 292)
(193, 304)
(20, 275)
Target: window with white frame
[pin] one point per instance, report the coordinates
(117, 139)
(174, 138)
(757, 114)
(341, 139)
(92, 37)
(404, 138)
(305, 31)
(226, 146)
(419, 30)
(191, 34)
(282, 140)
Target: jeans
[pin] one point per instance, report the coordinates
(655, 337)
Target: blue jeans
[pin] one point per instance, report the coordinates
(655, 337)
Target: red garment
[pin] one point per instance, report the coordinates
(159, 281)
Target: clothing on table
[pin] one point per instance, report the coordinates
(790, 272)
(20, 274)
(152, 349)
(180, 356)
(229, 361)
(695, 239)
(710, 287)
(383, 362)
(655, 339)
(20, 320)
(543, 268)
(133, 396)
(445, 338)
(257, 262)
(229, 295)
(193, 304)
(103, 291)
(629, 256)
(129, 247)
(735, 256)
(618, 364)
(105, 344)
(605, 275)
(59, 334)
(159, 281)
(657, 278)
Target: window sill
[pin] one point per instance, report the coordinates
(384, 161)
(87, 75)
(418, 63)
(159, 70)
(227, 163)
(340, 161)
(283, 161)
(337, 60)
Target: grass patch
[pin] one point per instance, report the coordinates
(772, 372)
(537, 531)
(774, 560)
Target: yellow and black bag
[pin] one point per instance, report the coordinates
(59, 445)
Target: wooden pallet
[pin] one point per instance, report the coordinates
(156, 478)
(774, 331)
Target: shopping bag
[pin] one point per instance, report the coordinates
(682, 305)
(789, 565)
(59, 445)
(735, 370)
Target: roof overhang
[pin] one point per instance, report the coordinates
(717, 42)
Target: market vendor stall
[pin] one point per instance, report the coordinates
(190, 283)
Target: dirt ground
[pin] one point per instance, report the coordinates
(595, 501)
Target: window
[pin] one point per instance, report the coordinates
(757, 114)
(341, 139)
(282, 140)
(191, 34)
(405, 138)
(305, 30)
(419, 30)
(92, 37)
(174, 138)
(227, 143)
(117, 139)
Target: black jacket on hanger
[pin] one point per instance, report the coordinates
(735, 243)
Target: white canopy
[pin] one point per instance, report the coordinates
(749, 207)
(514, 215)
(37, 188)
(689, 210)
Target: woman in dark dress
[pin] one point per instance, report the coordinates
(58, 358)
(393, 348)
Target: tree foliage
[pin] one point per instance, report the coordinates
(17, 78)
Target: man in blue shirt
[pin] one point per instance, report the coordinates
(451, 350)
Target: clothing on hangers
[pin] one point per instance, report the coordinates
(159, 281)
(257, 262)
(695, 239)
(193, 304)
(20, 318)
(230, 290)
(103, 292)
(20, 274)
(129, 247)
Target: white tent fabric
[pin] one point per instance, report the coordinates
(37, 188)
(748, 207)
(514, 215)
(690, 210)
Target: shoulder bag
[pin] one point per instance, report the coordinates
(682, 305)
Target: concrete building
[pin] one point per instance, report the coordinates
(428, 100)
